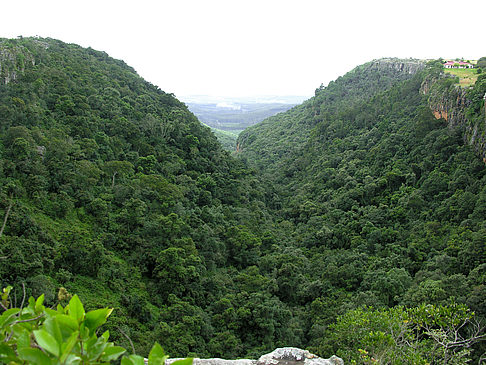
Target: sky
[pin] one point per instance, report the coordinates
(253, 47)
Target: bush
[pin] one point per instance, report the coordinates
(68, 335)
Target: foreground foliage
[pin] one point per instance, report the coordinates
(39, 335)
(427, 334)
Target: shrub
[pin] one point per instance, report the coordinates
(67, 335)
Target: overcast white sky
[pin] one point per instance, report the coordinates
(253, 47)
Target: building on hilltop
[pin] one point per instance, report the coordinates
(458, 64)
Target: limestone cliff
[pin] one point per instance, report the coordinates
(14, 58)
(449, 101)
(405, 66)
(446, 100)
(281, 356)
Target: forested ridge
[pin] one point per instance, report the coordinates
(113, 190)
(386, 202)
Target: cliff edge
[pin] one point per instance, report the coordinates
(459, 107)
(280, 356)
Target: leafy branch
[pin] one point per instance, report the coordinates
(67, 335)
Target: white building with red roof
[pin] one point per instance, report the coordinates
(458, 64)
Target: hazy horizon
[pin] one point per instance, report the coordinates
(264, 99)
(252, 47)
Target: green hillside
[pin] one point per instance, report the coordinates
(385, 201)
(112, 189)
(277, 138)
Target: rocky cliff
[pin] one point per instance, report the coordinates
(407, 66)
(454, 104)
(281, 356)
(446, 100)
(13, 60)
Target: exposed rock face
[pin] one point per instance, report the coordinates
(450, 103)
(281, 356)
(295, 356)
(216, 361)
(13, 60)
(410, 66)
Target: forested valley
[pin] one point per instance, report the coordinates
(353, 224)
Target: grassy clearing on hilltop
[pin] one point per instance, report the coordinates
(467, 76)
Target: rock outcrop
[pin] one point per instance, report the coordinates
(13, 61)
(281, 356)
(449, 102)
(407, 66)
(295, 356)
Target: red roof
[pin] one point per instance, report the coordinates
(460, 63)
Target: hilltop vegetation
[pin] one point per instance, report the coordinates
(467, 76)
(112, 189)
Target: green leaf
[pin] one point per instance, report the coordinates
(83, 332)
(8, 317)
(23, 338)
(106, 335)
(6, 353)
(72, 360)
(133, 360)
(31, 307)
(68, 346)
(76, 309)
(112, 353)
(34, 356)
(67, 323)
(47, 341)
(157, 355)
(187, 361)
(39, 307)
(96, 318)
(52, 327)
(96, 348)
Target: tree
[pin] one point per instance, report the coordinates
(481, 63)
(10, 191)
(452, 329)
(176, 271)
(420, 335)
(120, 168)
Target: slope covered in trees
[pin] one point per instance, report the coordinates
(112, 189)
(386, 202)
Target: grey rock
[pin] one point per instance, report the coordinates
(216, 361)
(281, 356)
(451, 105)
(296, 356)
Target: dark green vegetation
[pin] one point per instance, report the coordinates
(227, 139)
(38, 335)
(385, 202)
(113, 189)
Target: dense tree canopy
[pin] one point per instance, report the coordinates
(112, 189)
(385, 200)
